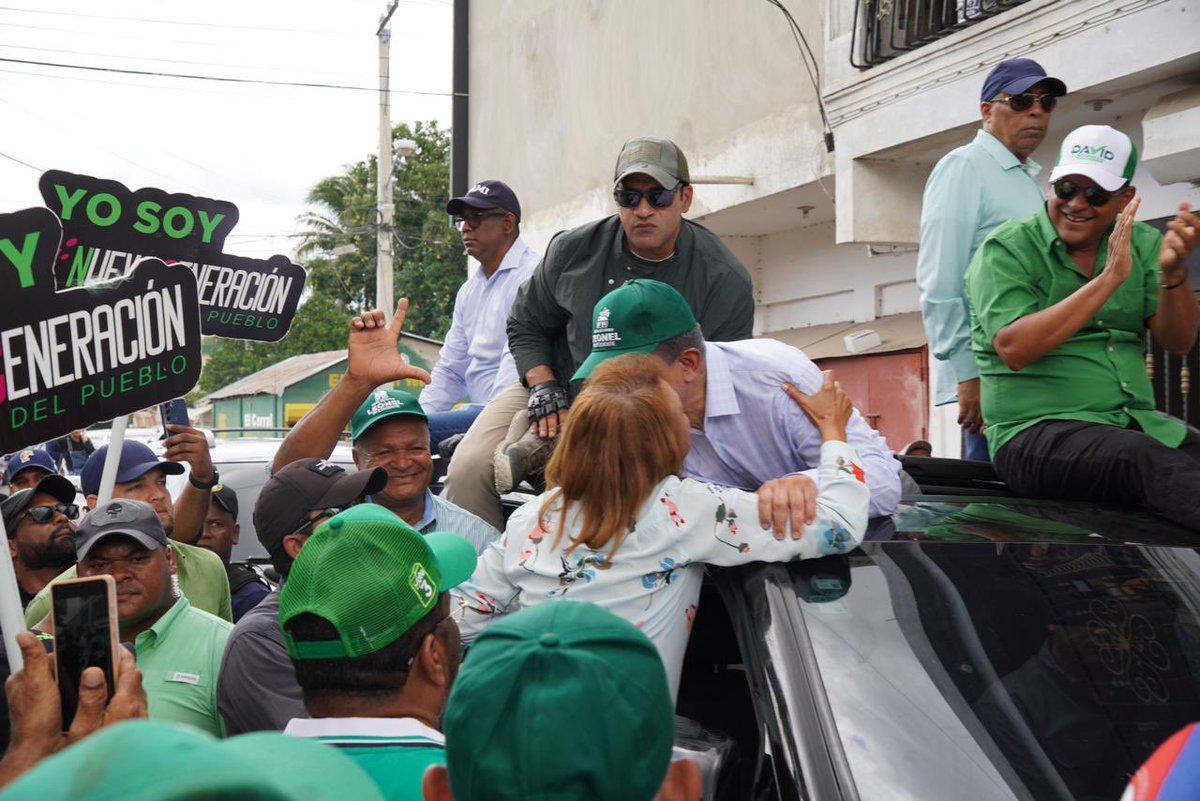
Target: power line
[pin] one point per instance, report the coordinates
(24, 163)
(221, 79)
(167, 60)
(188, 23)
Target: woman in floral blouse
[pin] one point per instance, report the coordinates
(620, 529)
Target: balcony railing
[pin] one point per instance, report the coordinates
(884, 29)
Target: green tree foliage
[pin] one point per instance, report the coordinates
(429, 262)
(322, 323)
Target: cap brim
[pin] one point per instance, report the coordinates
(82, 550)
(455, 556)
(139, 470)
(302, 768)
(598, 357)
(1016, 87)
(28, 467)
(58, 486)
(664, 178)
(1104, 178)
(455, 206)
(352, 486)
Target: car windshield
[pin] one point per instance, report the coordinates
(1019, 671)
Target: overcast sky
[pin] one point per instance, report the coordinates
(260, 146)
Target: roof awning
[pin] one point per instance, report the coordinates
(897, 332)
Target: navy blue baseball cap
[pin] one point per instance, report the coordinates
(28, 459)
(1016, 75)
(136, 460)
(487, 195)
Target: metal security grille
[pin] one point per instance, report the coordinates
(884, 29)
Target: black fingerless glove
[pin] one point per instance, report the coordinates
(546, 399)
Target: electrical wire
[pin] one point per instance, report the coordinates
(170, 60)
(24, 163)
(188, 23)
(219, 78)
(813, 69)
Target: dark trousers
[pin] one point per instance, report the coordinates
(1084, 461)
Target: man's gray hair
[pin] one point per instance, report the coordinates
(670, 350)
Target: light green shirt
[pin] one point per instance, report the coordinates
(1096, 376)
(970, 192)
(180, 657)
(202, 578)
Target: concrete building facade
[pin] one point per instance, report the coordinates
(829, 237)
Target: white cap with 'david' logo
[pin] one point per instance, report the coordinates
(1099, 152)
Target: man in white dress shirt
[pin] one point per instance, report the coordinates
(475, 362)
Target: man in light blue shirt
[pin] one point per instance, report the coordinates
(972, 190)
(475, 363)
(745, 430)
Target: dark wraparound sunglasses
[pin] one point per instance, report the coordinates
(44, 514)
(1023, 102)
(1066, 189)
(659, 198)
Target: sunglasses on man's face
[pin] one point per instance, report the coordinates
(659, 198)
(474, 220)
(1066, 189)
(309, 525)
(1023, 102)
(44, 514)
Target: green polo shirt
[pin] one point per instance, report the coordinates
(394, 752)
(180, 657)
(1096, 376)
(202, 578)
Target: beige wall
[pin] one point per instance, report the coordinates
(706, 73)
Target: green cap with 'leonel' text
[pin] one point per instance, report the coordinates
(636, 318)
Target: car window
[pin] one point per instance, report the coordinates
(1018, 670)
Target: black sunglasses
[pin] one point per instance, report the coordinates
(325, 514)
(1066, 189)
(44, 514)
(474, 220)
(1024, 102)
(659, 198)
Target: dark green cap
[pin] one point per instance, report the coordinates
(635, 318)
(145, 760)
(382, 404)
(661, 159)
(372, 576)
(560, 700)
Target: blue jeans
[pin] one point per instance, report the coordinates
(443, 425)
(975, 447)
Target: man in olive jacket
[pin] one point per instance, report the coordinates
(550, 325)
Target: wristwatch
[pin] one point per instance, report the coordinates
(216, 479)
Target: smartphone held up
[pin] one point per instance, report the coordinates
(84, 618)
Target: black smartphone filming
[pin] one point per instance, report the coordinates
(84, 616)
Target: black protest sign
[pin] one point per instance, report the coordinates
(107, 229)
(74, 357)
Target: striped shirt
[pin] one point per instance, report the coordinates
(394, 752)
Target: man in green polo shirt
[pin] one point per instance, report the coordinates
(1060, 304)
(366, 621)
(178, 646)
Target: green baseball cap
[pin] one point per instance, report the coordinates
(635, 318)
(382, 404)
(372, 576)
(661, 159)
(143, 760)
(561, 700)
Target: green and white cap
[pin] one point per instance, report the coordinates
(372, 577)
(635, 318)
(1099, 152)
(382, 404)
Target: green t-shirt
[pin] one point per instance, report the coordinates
(394, 752)
(180, 658)
(202, 578)
(1096, 376)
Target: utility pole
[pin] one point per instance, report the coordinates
(386, 196)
